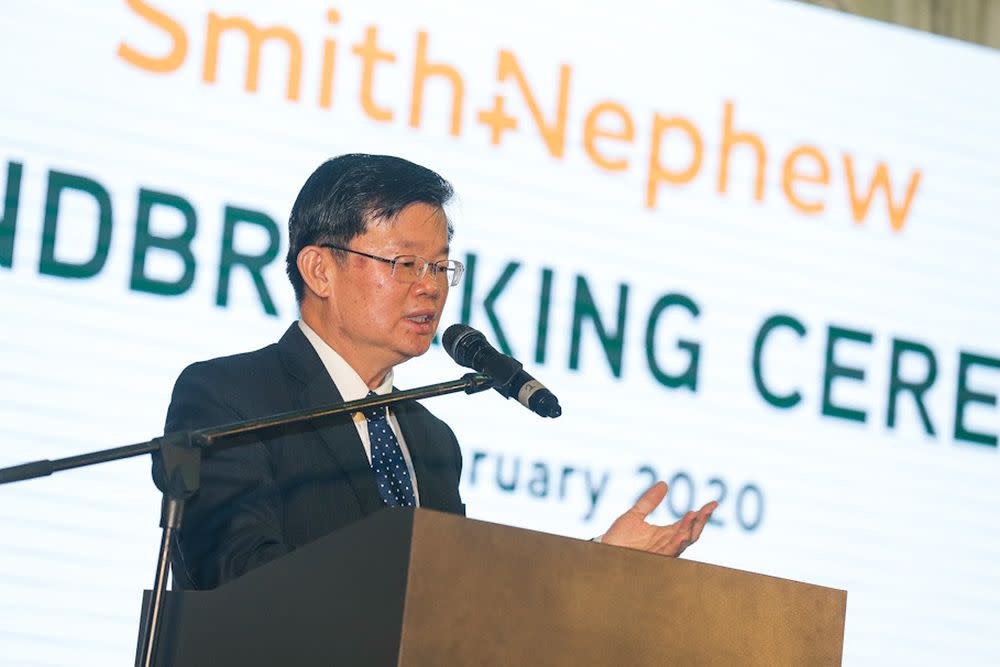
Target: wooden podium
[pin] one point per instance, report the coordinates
(415, 587)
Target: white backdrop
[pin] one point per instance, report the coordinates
(750, 159)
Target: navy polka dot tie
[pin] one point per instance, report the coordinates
(391, 476)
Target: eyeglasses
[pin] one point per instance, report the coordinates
(411, 268)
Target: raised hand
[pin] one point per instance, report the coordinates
(631, 529)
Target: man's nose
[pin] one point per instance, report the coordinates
(431, 284)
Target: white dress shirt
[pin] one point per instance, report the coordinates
(351, 388)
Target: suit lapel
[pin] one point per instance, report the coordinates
(415, 436)
(339, 435)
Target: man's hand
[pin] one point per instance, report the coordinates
(631, 530)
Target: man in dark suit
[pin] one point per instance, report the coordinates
(368, 259)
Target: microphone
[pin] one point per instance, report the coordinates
(469, 348)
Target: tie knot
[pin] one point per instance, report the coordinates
(373, 413)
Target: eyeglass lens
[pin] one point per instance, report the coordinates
(412, 268)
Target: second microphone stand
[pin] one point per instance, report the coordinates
(179, 474)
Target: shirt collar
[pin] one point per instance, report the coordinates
(348, 382)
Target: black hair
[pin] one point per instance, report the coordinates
(347, 193)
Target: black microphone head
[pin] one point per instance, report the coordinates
(461, 342)
(547, 405)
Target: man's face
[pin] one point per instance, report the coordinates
(377, 320)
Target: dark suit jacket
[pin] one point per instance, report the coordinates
(290, 485)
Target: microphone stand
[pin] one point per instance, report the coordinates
(180, 455)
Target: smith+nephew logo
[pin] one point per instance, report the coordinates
(670, 150)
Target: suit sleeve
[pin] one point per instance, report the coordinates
(233, 523)
(453, 461)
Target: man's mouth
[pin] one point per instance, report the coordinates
(421, 319)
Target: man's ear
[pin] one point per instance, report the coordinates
(316, 267)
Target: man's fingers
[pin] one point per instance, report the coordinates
(651, 499)
(677, 535)
(683, 537)
(702, 519)
(687, 531)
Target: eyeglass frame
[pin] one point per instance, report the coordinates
(458, 266)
